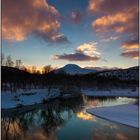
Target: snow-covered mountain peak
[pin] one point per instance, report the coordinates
(73, 69)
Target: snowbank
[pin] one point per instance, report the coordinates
(111, 93)
(125, 114)
(30, 97)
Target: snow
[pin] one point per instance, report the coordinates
(30, 97)
(73, 69)
(34, 96)
(122, 74)
(125, 114)
(110, 93)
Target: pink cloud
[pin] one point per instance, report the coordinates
(21, 19)
(111, 6)
(119, 23)
(131, 49)
(119, 17)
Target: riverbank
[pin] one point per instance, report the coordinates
(37, 96)
(110, 93)
(126, 114)
(31, 97)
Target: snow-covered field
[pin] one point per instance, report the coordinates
(30, 97)
(111, 93)
(125, 114)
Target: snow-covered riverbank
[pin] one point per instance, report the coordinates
(35, 96)
(125, 114)
(30, 97)
(110, 93)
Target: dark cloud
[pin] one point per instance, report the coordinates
(77, 57)
(85, 52)
(55, 38)
(22, 18)
(131, 54)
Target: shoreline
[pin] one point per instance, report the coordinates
(118, 114)
(111, 93)
(40, 96)
(37, 104)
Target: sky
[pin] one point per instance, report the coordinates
(94, 33)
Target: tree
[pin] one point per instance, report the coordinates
(2, 59)
(18, 64)
(9, 62)
(24, 68)
(47, 69)
(38, 72)
(34, 69)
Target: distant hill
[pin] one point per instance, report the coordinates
(131, 73)
(73, 69)
(102, 68)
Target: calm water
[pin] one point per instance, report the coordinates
(67, 120)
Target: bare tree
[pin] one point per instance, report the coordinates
(47, 69)
(34, 69)
(24, 68)
(38, 72)
(9, 62)
(18, 64)
(2, 59)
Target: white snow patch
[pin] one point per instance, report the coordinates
(30, 97)
(125, 114)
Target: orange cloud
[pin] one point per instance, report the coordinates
(131, 49)
(36, 18)
(110, 6)
(109, 20)
(132, 44)
(119, 16)
(119, 22)
(88, 49)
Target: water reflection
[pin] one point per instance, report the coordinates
(85, 116)
(49, 118)
(56, 119)
(99, 134)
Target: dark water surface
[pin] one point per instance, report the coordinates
(67, 120)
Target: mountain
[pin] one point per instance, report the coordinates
(102, 68)
(131, 73)
(73, 69)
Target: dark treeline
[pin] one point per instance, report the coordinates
(14, 78)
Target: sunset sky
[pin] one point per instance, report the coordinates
(93, 33)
